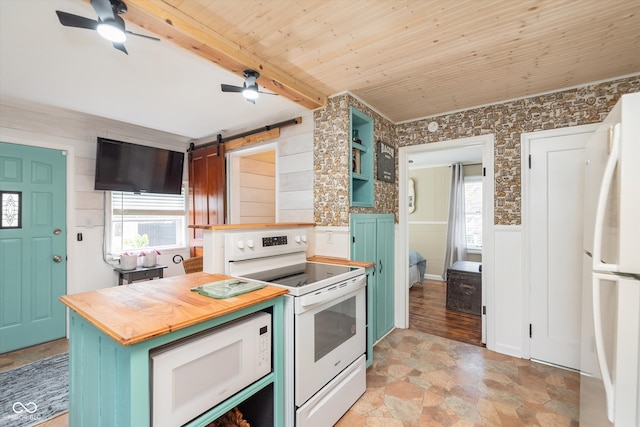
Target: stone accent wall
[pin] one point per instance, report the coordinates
(588, 104)
(507, 121)
(332, 160)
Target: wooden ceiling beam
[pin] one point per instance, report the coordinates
(171, 24)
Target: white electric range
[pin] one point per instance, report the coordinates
(325, 317)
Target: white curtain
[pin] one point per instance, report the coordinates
(456, 249)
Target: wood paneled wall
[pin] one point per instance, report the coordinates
(37, 125)
(257, 188)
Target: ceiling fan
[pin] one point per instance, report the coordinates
(109, 24)
(249, 88)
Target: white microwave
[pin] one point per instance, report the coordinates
(193, 375)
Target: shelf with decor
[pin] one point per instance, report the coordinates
(361, 177)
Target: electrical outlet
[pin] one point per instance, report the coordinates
(329, 237)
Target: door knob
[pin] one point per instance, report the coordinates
(57, 258)
(57, 231)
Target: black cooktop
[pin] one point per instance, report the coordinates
(298, 275)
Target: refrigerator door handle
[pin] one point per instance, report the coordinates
(605, 188)
(602, 357)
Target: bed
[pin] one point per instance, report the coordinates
(417, 268)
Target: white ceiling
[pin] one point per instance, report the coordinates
(158, 85)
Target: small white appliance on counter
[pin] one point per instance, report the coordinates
(610, 349)
(193, 375)
(325, 317)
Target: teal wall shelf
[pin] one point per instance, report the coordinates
(361, 131)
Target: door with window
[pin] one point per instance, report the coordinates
(33, 252)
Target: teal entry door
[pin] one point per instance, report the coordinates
(33, 252)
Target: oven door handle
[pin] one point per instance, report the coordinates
(332, 292)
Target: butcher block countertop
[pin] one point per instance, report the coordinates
(244, 226)
(134, 313)
(341, 261)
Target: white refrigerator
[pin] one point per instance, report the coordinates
(610, 345)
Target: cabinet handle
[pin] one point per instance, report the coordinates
(380, 261)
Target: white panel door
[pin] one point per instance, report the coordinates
(556, 196)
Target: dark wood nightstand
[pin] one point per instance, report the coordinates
(140, 273)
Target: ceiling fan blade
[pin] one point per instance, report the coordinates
(253, 101)
(141, 35)
(268, 93)
(69, 20)
(230, 88)
(120, 47)
(103, 8)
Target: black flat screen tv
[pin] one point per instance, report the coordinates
(122, 166)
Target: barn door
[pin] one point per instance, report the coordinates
(206, 191)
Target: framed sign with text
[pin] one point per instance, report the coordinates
(386, 156)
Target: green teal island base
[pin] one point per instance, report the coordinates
(112, 332)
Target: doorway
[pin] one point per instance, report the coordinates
(553, 191)
(444, 153)
(33, 247)
(431, 230)
(252, 183)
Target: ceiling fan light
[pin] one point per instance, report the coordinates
(111, 31)
(250, 92)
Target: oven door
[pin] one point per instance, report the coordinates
(329, 334)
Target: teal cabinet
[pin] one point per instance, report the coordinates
(362, 153)
(372, 240)
(109, 384)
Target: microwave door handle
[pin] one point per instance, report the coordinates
(605, 189)
(599, 338)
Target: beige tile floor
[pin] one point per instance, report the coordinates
(423, 380)
(419, 380)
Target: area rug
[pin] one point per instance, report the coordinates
(35, 392)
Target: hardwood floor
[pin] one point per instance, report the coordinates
(428, 314)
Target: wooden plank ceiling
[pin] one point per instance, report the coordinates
(406, 58)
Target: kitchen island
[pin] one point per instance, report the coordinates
(113, 330)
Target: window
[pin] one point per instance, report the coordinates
(11, 209)
(473, 212)
(146, 221)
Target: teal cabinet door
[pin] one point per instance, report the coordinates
(372, 240)
(385, 289)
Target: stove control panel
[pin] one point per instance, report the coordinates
(274, 241)
(247, 245)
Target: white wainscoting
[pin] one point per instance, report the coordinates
(508, 290)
